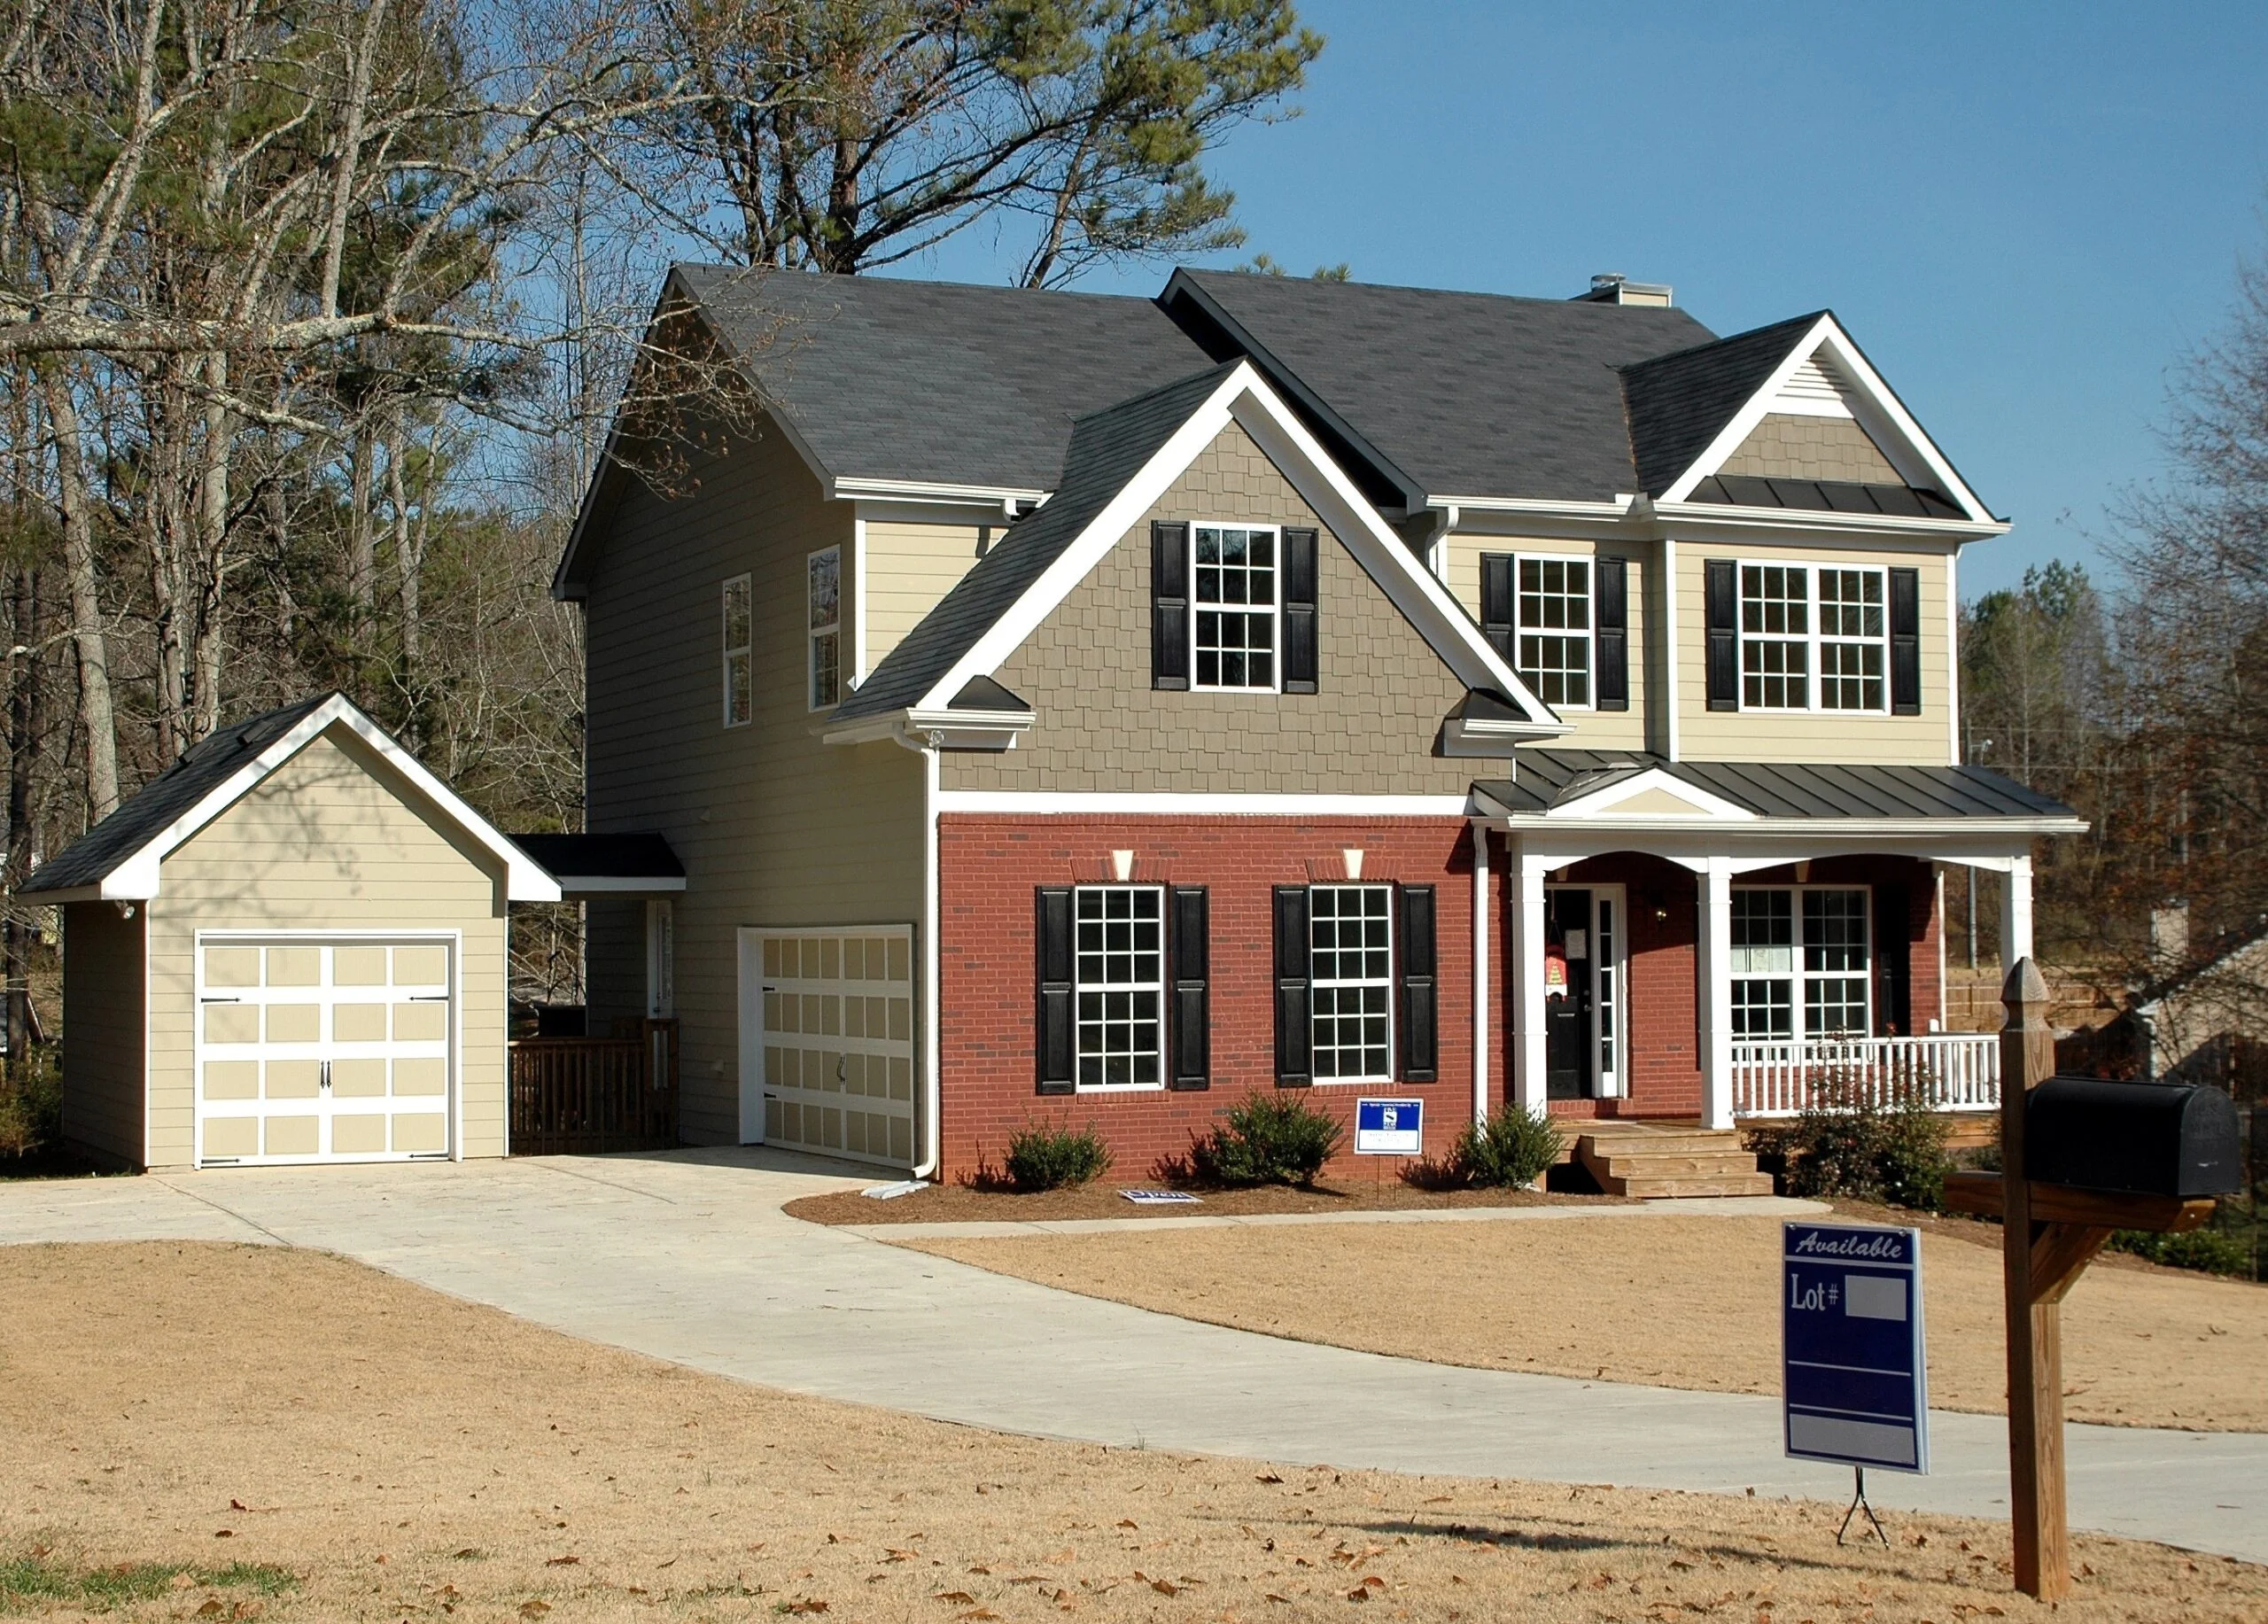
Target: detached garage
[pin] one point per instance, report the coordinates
(289, 947)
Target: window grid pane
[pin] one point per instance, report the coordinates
(1351, 965)
(1850, 631)
(1555, 624)
(738, 653)
(823, 605)
(1825, 944)
(1234, 626)
(1776, 637)
(1119, 947)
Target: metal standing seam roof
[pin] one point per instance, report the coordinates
(1107, 449)
(152, 809)
(1868, 791)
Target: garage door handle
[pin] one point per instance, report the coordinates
(429, 998)
(211, 998)
(326, 1076)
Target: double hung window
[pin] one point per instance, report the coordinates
(1813, 638)
(1233, 622)
(739, 639)
(823, 602)
(1351, 968)
(1554, 656)
(1119, 969)
(1800, 963)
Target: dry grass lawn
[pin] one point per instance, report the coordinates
(260, 1432)
(1677, 1302)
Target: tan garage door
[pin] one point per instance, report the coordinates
(322, 1049)
(838, 1042)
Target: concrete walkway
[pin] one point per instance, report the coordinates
(688, 1257)
(982, 1229)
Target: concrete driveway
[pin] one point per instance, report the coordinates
(688, 1257)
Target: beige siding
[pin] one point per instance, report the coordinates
(1787, 447)
(909, 568)
(331, 841)
(104, 1018)
(1594, 729)
(1101, 726)
(1820, 735)
(774, 826)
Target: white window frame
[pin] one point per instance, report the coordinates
(1275, 684)
(1813, 640)
(745, 652)
(1520, 629)
(813, 632)
(1316, 985)
(1799, 978)
(661, 959)
(1080, 988)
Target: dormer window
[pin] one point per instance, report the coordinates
(1233, 628)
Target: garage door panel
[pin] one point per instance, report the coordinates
(308, 1048)
(837, 1050)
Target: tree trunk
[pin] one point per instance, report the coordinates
(98, 717)
(23, 765)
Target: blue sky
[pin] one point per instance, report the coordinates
(2026, 214)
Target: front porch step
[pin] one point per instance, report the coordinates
(1664, 1164)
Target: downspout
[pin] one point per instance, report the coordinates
(1480, 972)
(933, 1091)
(1433, 551)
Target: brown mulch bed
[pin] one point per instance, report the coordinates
(965, 1203)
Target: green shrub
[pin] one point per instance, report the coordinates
(31, 1103)
(1275, 1138)
(1044, 1157)
(1511, 1150)
(1852, 1147)
(2208, 1251)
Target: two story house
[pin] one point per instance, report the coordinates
(1088, 709)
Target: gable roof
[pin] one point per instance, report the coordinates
(118, 859)
(1121, 461)
(1679, 402)
(936, 383)
(1552, 779)
(1451, 394)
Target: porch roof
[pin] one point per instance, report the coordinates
(1546, 781)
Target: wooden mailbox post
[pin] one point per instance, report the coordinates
(2051, 1231)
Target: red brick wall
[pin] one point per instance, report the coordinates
(989, 866)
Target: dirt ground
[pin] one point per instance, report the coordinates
(959, 1203)
(1678, 1303)
(288, 1436)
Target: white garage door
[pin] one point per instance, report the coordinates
(322, 1049)
(833, 1017)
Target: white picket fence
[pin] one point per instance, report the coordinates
(1946, 1071)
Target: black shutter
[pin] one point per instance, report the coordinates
(1906, 643)
(1188, 1018)
(1294, 1030)
(1415, 995)
(1052, 1033)
(1611, 623)
(1721, 602)
(1168, 605)
(1497, 603)
(1299, 577)
(1893, 969)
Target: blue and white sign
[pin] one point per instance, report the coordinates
(1389, 1127)
(1854, 1374)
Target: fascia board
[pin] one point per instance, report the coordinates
(1937, 830)
(57, 899)
(1719, 515)
(1002, 497)
(136, 876)
(594, 885)
(1706, 806)
(1537, 506)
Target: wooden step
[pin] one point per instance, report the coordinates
(1667, 1189)
(1668, 1163)
(1623, 1164)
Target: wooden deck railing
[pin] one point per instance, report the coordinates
(1943, 1071)
(578, 1096)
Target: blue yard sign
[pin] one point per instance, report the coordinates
(1854, 1375)
(1389, 1127)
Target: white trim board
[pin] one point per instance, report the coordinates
(1043, 802)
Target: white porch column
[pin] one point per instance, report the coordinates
(2015, 912)
(1716, 888)
(1481, 1002)
(1525, 875)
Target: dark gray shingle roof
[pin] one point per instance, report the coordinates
(608, 857)
(203, 767)
(1549, 778)
(1467, 394)
(1107, 449)
(936, 381)
(1679, 403)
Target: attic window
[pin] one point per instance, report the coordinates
(1234, 620)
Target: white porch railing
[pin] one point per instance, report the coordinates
(1947, 1071)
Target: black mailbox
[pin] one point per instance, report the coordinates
(2137, 1139)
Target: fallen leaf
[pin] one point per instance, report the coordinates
(1165, 1587)
(1358, 1594)
(224, 1533)
(811, 1604)
(978, 1613)
(959, 1598)
(1128, 1522)
(471, 1551)
(212, 1609)
(569, 1561)
(238, 1506)
(1268, 1477)
(532, 1609)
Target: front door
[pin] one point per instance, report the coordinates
(1569, 1054)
